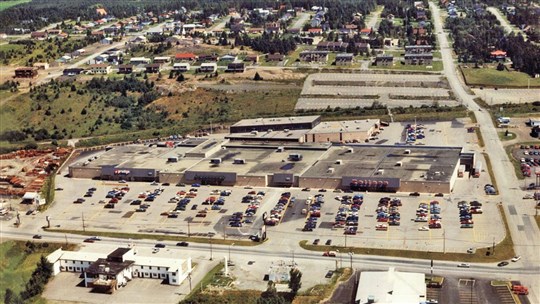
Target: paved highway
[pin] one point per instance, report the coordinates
(504, 22)
(525, 235)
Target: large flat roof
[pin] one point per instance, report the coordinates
(259, 161)
(391, 287)
(275, 121)
(362, 125)
(423, 163)
(274, 135)
(142, 156)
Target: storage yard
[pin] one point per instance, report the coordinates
(324, 90)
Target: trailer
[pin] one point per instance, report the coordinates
(477, 169)
(461, 171)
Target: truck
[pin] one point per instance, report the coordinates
(461, 171)
(477, 169)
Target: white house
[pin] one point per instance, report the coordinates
(109, 272)
(181, 67)
(208, 67)
(106, 40)
(100, 68)
(139, 60)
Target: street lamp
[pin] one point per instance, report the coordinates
(230, 251)
(211, 253)
(351, 255)
(340, 258)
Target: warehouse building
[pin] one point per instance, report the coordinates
(343, 131)
(391, 287)
(275, 124)
(106, 273)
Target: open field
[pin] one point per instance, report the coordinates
(490, 77)
(435, 66)
(496, 97)
(7, 4)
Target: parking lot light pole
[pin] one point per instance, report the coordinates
(230, 251)
(340, 258)
(211, 253)
(351, 255)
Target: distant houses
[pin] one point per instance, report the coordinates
(26, 72)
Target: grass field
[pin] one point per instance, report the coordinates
(7, 4)
(16, 265)
(503, 137)
(490, 77)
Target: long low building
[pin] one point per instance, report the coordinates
(106, 273)
(391, 287)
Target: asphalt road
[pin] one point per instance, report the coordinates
(526, 241)
(504, 22)
(299, 23)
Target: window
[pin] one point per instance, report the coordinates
(78, 268)
(142, 267)
(150, 267)
(158, 268)
(173, 280)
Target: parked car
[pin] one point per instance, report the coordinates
(88, 241)
(182, 244)
(328, 242)
(155, 250)
(414, 194)
(316, 242)
(37, 236)
(502, 264)
(159, 245)
(329, 274)
(464, 265)
(329, 253)
(516, 258)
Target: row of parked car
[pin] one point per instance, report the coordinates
(388, 213)
(347, 215)
(466, 211)
(414, 132)
(314, 212)
(279, 209)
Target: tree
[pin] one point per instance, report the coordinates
(257, 77)
(295, 281)
(271, 296)
(8, 297)
(180, 78)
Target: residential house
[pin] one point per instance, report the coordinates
(62, 36)
(106, 40)
(26, 72)
(419, 58)
(41, 65)
(256, 30)
(332, 46)
(125, 69)
(344, 59)
(235, 67)
(251, 58)
(363, 47)
(39, 35)
(99, 69)
(272, 28)
(181, 67)
(418, 49)
(306, 40)
(208, 58)
(497, 55)
(366, 32)
(163, 59)
(294, 31)
(275, 57)
(208, 67)
(139, 60)
(185, 57)
(315, 31)
(228, 58)
(238, 28)
(314, 56)
(421, 15)
(53, 32)
(138, 40)
(97, 33)
(153, 68)
(72, 71)
(384, 60)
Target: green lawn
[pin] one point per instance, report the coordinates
(490, 77)
(16, 265)
(503, 137)
(7, 4)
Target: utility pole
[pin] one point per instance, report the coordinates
(444, 240)
(351, 255)
(83, 226)
(493, 250)
(230, 251)
(211, 253)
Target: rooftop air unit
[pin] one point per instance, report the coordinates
(239, 161)
(407, 151)
(330, 170)
(399, 164)
(280, 149)
(350, 150)
(339, 162)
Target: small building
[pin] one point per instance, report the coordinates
(363, 47)
(391, 287)
(350, 131)
(235, 67)
(72, 71)
(419, 59)
(384, 60)
(106, 40)
(163, 59)
(344, 59)
(208, 67)
(315, 31)
(251, 58)
(228, 58)
(39, 35)
(497, 55)
(99, 68)
(41, 65)
(314, 56)
(139, 60)
(332, 46)
(153, 68)
(185, 57)
(181, 67)
(208, 58)
(125, 69)
(26, 72)
(418, 49)
(275, 57)
(534, 122)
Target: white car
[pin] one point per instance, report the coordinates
(155, 250)
(423, 228)
(516, 258)
(464, 265)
